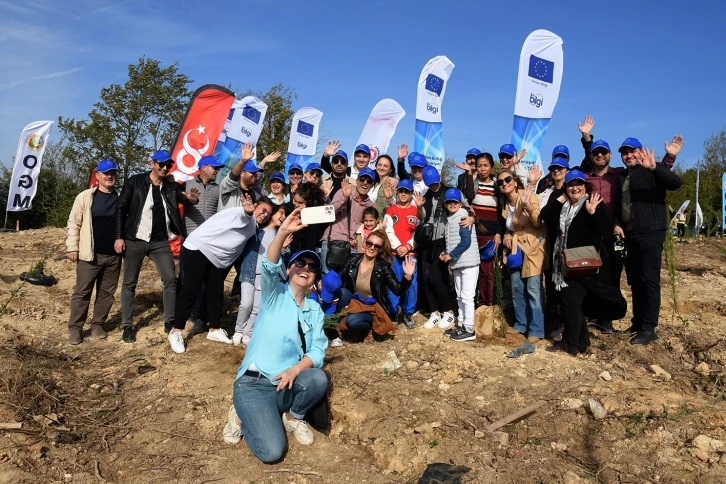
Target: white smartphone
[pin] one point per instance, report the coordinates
(317, 215)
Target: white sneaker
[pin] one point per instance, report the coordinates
(433, 321)
(246, 340)
(237, 339)
(176, 340)
(336, 343)
(447, 319)
(232, 430)
(299, 428)
(219, 335)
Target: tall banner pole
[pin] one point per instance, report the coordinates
(723, 205)
(429, 138)
(380, 128)
(538, 88)
(303, 137)
(697, 224)
(28, 157)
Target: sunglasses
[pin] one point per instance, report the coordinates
(294, 173)
(504, 156)
(371, 245)
(556, 168)
(316, 173)
(600, 152)
(302, 264)
(165, 164)
(365, 181)
(506, 179)
(340, 161)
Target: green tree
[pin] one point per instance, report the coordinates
(449, 174)
(131, 120)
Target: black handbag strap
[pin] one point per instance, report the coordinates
(302, 337)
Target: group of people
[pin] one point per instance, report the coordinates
(400, 236)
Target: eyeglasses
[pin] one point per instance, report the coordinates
(502, 181)
(165, 164)
(339, 161)
(302, 264)
(365, 181)
(316, 173)
(371, 245)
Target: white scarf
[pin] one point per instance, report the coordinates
(567, 214)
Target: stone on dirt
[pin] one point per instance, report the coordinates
(605, 375)
(703, 368)
(706, 449)
(598, 411)
(660, 373)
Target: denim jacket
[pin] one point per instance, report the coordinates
(248, 271)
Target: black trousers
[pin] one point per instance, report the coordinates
(575, 337)
(615, 263)
(434, 275)
(681, 230)
(199, 270)
(642, 267)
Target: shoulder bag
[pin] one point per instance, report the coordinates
(581, 261)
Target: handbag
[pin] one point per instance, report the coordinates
(319, 415)
(515, 259)
(338, 250)
(581, 261)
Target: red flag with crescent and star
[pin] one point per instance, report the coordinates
(208, 110)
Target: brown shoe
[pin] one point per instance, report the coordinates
(98, 332)
(74, 336)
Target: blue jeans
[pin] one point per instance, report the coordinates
(408, 300)
(323, 255)
(259, 405)
(358, 322)
(528, 299)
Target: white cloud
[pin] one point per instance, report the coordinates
(38, 78)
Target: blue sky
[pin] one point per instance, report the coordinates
(644, 69)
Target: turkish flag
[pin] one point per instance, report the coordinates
(92, 180)
(208, 110)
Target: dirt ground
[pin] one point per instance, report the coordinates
(107, 411)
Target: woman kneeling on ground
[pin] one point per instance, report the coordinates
(280, 373)
(365, 278)
(583, 220)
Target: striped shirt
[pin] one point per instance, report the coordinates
(485, 205)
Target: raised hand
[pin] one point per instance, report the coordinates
(346, 187)
(403, 151)
(586, 127)
(592, 203)
(535, 173)
(287, 242)
(247, 204)
(674, 147)
(292, 223)
(248, 151)
(519, 156)
(192, 195)
(332, 148)
(274, 156)
(418, 199)
(327, 187)
(646, 158)
(527, 196)
(464, 166)
(388, 190)
(409, 266)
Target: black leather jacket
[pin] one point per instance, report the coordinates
(381, 278)
(131, 202)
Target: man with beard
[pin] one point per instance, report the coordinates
(337, 166)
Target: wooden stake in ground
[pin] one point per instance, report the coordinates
(11, 425)
(514, 416)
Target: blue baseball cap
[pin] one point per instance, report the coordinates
(560, 161)
(363, 148)
(599, 144)
(330, 283)
(251, 167)
(508, 149)
(277, 176)
(405, 185)
(341, 154)
(431, 175)
(417, 159)
(452, 195)
(575, 175)
(630, 143)
(367, 172)
(313, 166)
(209, 161)
(561, 150)
(294, 166)
(164, 155)
(106, 165)
(305, 253)
(487, 252)
(473, 152)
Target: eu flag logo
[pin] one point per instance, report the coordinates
(231, 113)
(305, 128)
(434, 84)
(541, 69)
(251, 113)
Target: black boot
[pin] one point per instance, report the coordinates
(644, 338)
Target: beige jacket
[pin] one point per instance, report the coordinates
(530, 235)
(80, 226)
